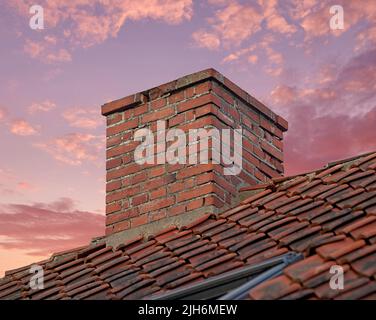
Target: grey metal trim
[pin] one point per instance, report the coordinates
(242, 291)
(216, 286)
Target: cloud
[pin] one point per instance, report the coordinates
(3, 113)
(283, 94)
(235, 22)
(274, 20)
(331, 119)
(84, 118)
(206, 39)
(42, 229)
(366, 38)
(74, 148)
(314, 16)
(23, 185)
(253, 58)
(315, 140)
(46, 51)
(22, 128)
(43, 106)
(83, 23)
(231, 24)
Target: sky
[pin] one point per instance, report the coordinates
(54, 80)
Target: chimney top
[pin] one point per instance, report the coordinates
(186, 81)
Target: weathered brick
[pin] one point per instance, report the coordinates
(139, 199)
(158, 115)
(158, 193)
(114, 185)
(194, 103)
(157, 204)
(138, 221)
(199, 191)
(113, 207)
(121, 127)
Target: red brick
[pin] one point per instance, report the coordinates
(125, 171)
(139, 199)
(175, 210)
(176, 120)
(158, 115)
(224, 95)
(113, 141)
(122, 103)
(158, 104)
(158, 182)
(113, 163)
(272, 151)
(157, 204)
(195, 204)
(195, 170)
(156, 171)
(139, 177)
(180, 185)
(127, 125)
(121, 226)
(213, 201)
(114, 118)
(114, 185)
(122, 194)
(113, 207)
(158, 193)
(176, 97)
(120, 150)
(140, 110)
(203, 87)
(138, 221)
(199, 191)
(158, 215)
(204, 178)
(194, 103)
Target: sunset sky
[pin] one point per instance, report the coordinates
(53, 81)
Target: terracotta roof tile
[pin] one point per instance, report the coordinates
(328, 215)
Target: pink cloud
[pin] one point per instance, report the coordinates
(43, 106)
(283, 94)
(366, 38)
(330, 120)
(84, 118)
(83, 23)
(206, 39)
(42, 229)
(314, 141)
(274, 20)
(253, 58)
(23, 185)
(74, 148)
(22, 128)
(236, 22)
(46, 51)
(3, 113)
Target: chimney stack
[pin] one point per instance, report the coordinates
(145, 195)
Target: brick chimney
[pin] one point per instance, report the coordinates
(146, 198)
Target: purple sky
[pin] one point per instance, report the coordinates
(54, 80)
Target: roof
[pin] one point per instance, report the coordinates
(329, 216)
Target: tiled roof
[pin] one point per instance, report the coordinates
(328, 215)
